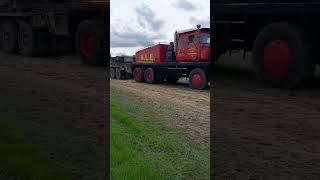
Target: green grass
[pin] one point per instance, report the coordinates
(143, 147)
(20, 160)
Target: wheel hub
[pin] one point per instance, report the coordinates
(277, 58)
(86, 44)
(148, 75)
(137, 75)
(196, 80)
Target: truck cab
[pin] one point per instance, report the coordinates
(193, 45)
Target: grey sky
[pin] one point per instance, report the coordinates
(140, 23)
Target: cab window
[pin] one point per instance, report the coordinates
(191, 40)
(181, 41)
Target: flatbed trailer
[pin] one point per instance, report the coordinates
(43, 27)
(121, 70)
(282, 37)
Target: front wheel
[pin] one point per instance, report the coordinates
(198, 79)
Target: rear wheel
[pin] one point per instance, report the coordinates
(149, 76)
(9, 36)
(118, 73)
(91, 42)
(138, 74)
(32, 42)
(198, 79)
(112, 73)
(281, 56)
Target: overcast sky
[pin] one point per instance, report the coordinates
(140, 23)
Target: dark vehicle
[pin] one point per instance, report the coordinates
(121, 67)
(42, 27)
(281, 34)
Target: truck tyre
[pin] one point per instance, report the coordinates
(9, 36)
(149, 75)
(32, 42)
(91, 42)
(198, 79)
(112, 73)
(281, 56)
(118, 73)
(138, 75)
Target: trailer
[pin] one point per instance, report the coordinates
(121, 67)
(188, 56)
(44, 27)
(281, 35)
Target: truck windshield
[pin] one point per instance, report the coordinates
(205, 38)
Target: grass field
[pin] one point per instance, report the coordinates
(143, 147)
(20, 160)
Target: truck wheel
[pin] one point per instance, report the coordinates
(112, 73)
(9, 36)
(138, 75)
(281, 56)
(32, 42)
(91, 42)
(118, 73)
(198, 79)
(149, 75)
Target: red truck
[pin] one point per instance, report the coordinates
(188, 56)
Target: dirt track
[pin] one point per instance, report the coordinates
(58, 105)
(185, 109)
(263, 133)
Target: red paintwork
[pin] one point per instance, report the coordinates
(86, 44)
(196, 80)
(192, 52)
(137, 75)
(154, 54)
(196, 52)
(277, 58)
(148, 75)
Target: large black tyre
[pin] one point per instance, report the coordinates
(138, 75)
(198, 79)
(118, 73)
(149, 76)
(9, 36)
(112, 73)
(32, 42)
(91, 42)
(281, 56)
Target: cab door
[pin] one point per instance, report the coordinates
(191, 49)
(181, 48)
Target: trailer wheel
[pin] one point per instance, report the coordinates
(281, 56)
(118, 73)
(112, 73)
(198, 79)
(138, 75)
(149, 75)
(90, 42)
(32, 42)
(9, 36)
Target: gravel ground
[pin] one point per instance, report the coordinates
(263, 133)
